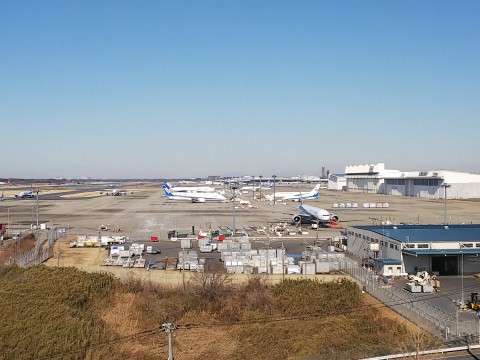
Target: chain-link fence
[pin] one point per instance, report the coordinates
(419, 311)
(40, 253)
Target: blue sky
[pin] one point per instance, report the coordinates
(164, 89)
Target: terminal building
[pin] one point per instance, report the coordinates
(407, 249)
(431, 184)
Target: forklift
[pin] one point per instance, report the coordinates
(474, 302)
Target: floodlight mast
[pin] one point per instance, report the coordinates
(274, 176)
(445, 186)
(234, 186)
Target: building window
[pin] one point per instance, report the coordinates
(468, 245)
(408, 246)
(391, 246)
(422, 246)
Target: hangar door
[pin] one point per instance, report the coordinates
(445, 265)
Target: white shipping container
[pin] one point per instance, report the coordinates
(136, 251)
(334, 265)
(262, 269)
(125, 253)
(186, 243)
(308, 268)
(206, 248)
(293, 269)
(280, 253)
(277, 269)
(322, 267)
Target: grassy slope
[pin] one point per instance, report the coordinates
(63, 312)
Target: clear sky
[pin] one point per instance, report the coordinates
(165, 89)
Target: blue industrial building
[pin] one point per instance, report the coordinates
(402, 249)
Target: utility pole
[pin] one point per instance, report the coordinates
(283, 262)
(59, 253)
(478, 326)
(268, 248)
(37, 191)
(168, 328)
(183, 267)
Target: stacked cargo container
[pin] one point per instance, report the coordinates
(187, 260)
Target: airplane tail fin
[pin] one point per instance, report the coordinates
(166, 190)
(168, 185)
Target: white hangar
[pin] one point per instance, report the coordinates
(432, 184)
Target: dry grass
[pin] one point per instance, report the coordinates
(77, 315)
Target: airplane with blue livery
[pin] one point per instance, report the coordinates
(193, 196)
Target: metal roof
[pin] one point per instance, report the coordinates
(416, 252)
(426, 233)
(388, 261)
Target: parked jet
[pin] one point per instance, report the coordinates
(295, 196)
(3, 196)
(256, 187)
(193, 196)
(188, 188)
(312, 214)
(114, 192)
(25, 194)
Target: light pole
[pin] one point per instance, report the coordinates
(445, 186)
(461, 245)
(234, 186)
(260, 177)
(274, 176)
(253, 187)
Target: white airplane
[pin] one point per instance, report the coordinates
(256, 187)
(193, 196)
(114, 192)
(188, 188)
(25, 194)
(295, 196)
(3, 196)
(312, 214)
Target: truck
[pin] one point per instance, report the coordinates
(151, 250)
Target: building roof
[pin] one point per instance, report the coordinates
(389, 261)
(416, 252)
(427, 233)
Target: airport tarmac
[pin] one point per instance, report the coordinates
(145, 211)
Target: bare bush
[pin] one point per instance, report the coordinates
(210, 286)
